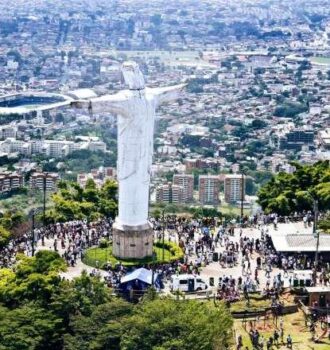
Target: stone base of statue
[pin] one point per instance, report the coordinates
(132, 242)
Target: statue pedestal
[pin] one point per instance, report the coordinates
(132, 242)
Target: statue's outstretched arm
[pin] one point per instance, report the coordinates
(22, 110)
(109, 104)
(168, 93)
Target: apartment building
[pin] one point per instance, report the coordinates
(10, 181)
(95, 146)
(11, 145)
(233, 188)
(296, 139)
(169, 193)
(187, 182)
(8, 131)
(209, 187)
(50, 148)
(47, 180)
(99, 176)
(324, 138)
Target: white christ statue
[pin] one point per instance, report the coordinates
(135, 109)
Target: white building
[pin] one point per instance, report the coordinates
(11, 145)
(8, 131)
(95, 146)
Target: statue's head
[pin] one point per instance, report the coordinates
(132, 75)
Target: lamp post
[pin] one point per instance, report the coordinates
(44, 197)
(316, 233)
(163, 237)
(242, 198)
(153, 270)
(32, 234)
(32, 214)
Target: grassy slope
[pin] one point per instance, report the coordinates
(294, 325)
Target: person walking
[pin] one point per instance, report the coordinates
(276, 337)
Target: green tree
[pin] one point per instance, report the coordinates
(156, 19)
(250, 187)
(258, 124)
(34, 279)
(157, 213)
(108, 207)
(40, 311)
(169, 324)
(79, 296)
(290, 109)
(286, 193)
(38, 308)
(194, 87)
(4, 237)
(102, 329)
(324, 224)
(73, 202)
(109, 189)
(29, 327)
(91, 195)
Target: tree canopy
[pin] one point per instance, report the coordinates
(74, 202)
(169, 324)
(290, 109)
(33, 280)
(288, 193)
(4, 237)
(36, 304)
(39, 310)
(11, 223)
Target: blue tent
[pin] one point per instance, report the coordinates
(139, 279)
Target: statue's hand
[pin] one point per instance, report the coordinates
(76, 104)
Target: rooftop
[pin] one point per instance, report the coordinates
(300, 243)
(318, 289)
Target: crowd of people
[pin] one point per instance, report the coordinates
(9, 252)
(260, 342)
(70, 239)
(203, 241)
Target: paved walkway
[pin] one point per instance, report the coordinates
(213, 269)
(72, 271)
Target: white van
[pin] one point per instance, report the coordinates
(187, 283)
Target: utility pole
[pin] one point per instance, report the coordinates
(32, 232)
(315, 232)
(163, 248)
(242, 198)
(44, 192)
(153, 270)
(32, 214)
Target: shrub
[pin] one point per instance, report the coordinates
(175, 250)
(101, 256)
(104, 243)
